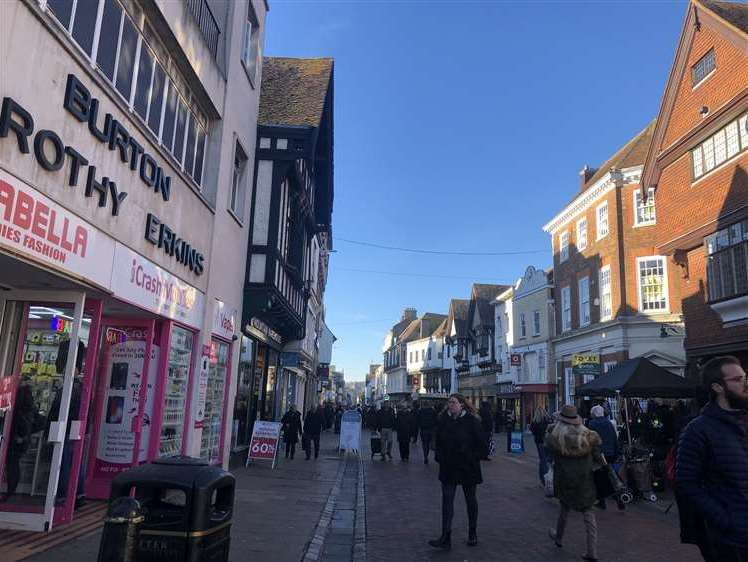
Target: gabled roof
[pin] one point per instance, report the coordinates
(294, 91)
(481, 298)
(734, 13)
(422, 327)
(458, 313)
(731, 18)
(441, 331)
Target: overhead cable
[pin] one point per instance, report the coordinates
(438, 252)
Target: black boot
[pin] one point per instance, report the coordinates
(444, 542)
(472, 538)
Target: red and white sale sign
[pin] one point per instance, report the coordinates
(265, 438)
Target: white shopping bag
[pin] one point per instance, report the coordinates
(549, 482)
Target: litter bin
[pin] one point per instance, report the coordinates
(187, 508)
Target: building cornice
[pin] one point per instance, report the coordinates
(608, 182)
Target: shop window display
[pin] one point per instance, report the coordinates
(211, 439)
(175, 393)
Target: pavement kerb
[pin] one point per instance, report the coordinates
(313, 551)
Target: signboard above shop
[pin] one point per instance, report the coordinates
(585, 364)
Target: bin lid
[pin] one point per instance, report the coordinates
(181, 460)
(186, 473)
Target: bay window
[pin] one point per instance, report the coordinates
(727, 262)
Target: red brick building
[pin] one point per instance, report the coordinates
(697, 167)
(615, 296)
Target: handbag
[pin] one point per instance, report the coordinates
(492, 447)
(607, 481)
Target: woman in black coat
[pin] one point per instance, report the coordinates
(460, 444)
(291, 430)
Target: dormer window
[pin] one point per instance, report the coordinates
(703, 67)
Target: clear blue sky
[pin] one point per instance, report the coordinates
(462, 126)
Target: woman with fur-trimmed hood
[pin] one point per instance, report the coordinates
(576, 451)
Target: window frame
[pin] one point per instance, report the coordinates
(706, 56)
(537, 323)
(563, 248)
(605, 269)
(650, 196)
(580, 246)
(522, 326)
(234, 191)
(603, 205)
(699, 153)
(566, 305)
(584, 319)
(665, 287)
(251, 69)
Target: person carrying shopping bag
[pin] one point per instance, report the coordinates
(575, 450)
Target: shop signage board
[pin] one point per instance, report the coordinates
(264, 443)
(586, 364)
(517, 444)
(350, 431)
(202, 387)
(264, 332)
(224, 320)
(36, 227)
(515, 360)
(141, 282)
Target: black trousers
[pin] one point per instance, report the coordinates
(13, 470)
(723, 553)
(290, 448)
(448, 506)
(308, 451)
(426, 437)
(404, 449)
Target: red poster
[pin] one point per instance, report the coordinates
(265, 437)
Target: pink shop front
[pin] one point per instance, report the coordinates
(101, 369)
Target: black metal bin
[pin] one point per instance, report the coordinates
(187, 507)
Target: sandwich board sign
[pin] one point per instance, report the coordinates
(264, 443)
(350, 431)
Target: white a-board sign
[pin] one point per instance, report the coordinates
(350, 431)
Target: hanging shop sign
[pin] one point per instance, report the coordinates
(142, 282)
(586, 364)
(51, 154)
(38, 228)
(224, 320)
(515, 359)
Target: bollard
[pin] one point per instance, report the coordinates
(119, 541)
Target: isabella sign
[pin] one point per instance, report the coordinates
(37, 227)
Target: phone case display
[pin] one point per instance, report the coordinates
(211, 440)
(175, 393)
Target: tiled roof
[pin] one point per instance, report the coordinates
(422, 327)
(458, 313)
(294, 90)
(441, 331)
(633, 153)
(485, 291)
(735, 13)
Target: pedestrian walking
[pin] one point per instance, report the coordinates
(291, 423)
(404, 429)
(609, 448)
(385, 425)
(575, 449)
(712, 466)
(538, 427)
(338, 418)
(486, 422)
(426, 423)
(460, 444)
(314, 422)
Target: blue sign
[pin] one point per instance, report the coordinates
(518, 442)
(289, 359)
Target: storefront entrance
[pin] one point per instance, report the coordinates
(46, 349)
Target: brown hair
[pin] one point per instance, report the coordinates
(465, 404)
(711, 372)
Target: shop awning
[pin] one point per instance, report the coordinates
(639, 378)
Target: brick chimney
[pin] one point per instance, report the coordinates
(585, 174)
(409, 314)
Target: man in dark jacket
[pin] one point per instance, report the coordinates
(426, 422)
(404, 429)
(385, 425)
(712, 466)
(313, 424)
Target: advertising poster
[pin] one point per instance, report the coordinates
(264, 444)
(202, 387)
(123, 369)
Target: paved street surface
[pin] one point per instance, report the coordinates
(404, 511)
(309, 511)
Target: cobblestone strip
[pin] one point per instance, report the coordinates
(359, 545)
(314, 549)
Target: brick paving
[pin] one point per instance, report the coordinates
(404, 511)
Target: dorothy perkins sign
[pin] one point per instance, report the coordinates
(51, 153)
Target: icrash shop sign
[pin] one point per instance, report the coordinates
(36, 227)
(143, 283)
